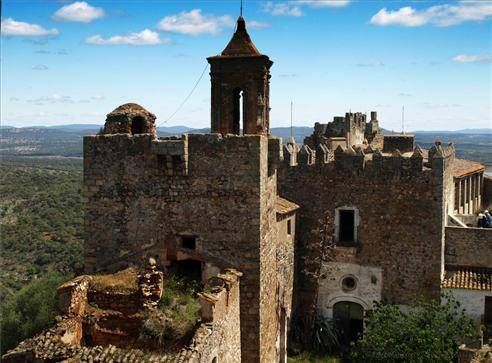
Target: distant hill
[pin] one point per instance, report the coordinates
(66, 140)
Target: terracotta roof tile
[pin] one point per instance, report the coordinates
(464, 167)
(467, 277)
(283, 206)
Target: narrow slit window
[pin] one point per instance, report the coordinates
(289, 227)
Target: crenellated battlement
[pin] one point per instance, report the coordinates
(371, 161)
(366, 160)
(441, 158)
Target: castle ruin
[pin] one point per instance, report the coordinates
(349, 218)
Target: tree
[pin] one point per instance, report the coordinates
(429, 332)
(29, 311)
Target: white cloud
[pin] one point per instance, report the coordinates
(195, 23)
(40, 67)
(145, 37)
(54, 98)
(472, 58)
(323, 3)
(79, 11)
(371, 64)
(11, 27)
(405, 16)
(439, 15)
(288, 75)
(253, 24)
(285, 9)
(294, 7)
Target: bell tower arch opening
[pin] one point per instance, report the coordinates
(238, 110)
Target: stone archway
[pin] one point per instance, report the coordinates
(349, 320)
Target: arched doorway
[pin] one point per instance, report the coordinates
(348, 318)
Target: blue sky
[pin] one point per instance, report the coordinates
(74, 62)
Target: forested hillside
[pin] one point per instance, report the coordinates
(41, 225)
(41, 219)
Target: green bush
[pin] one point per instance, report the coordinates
(177, 313)
(429, 332)
(29, 311)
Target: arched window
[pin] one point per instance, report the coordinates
(138, 125)
(237, 110)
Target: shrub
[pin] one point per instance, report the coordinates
(29, 311)
(177, 313)
(429, 332)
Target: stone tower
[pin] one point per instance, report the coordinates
(240, 78)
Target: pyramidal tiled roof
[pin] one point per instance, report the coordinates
(240, 44)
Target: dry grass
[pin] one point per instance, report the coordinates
(124, 281)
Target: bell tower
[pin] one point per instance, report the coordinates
(240, 78)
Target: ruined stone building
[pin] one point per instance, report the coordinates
(349, 218)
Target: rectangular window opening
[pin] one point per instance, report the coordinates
(162, 161)
(188, 242)
(289, 227)
(347, 224)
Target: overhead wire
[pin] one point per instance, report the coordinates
(185, 99)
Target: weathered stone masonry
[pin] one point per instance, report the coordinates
(393, 195)
(226, 198)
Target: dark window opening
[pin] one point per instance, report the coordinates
(289, 227)
(162, 161)
(176, 159)
(347, 223)
(138, 125)
(188, 242)
(237, 110)
(487, 317)
(187, 270)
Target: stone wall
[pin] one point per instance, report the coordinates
(108, 335)
(141, 199)
(393, 195)
(403, 143)
(468, 246)
(221, 314)
(369, 282)
(473, 301)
